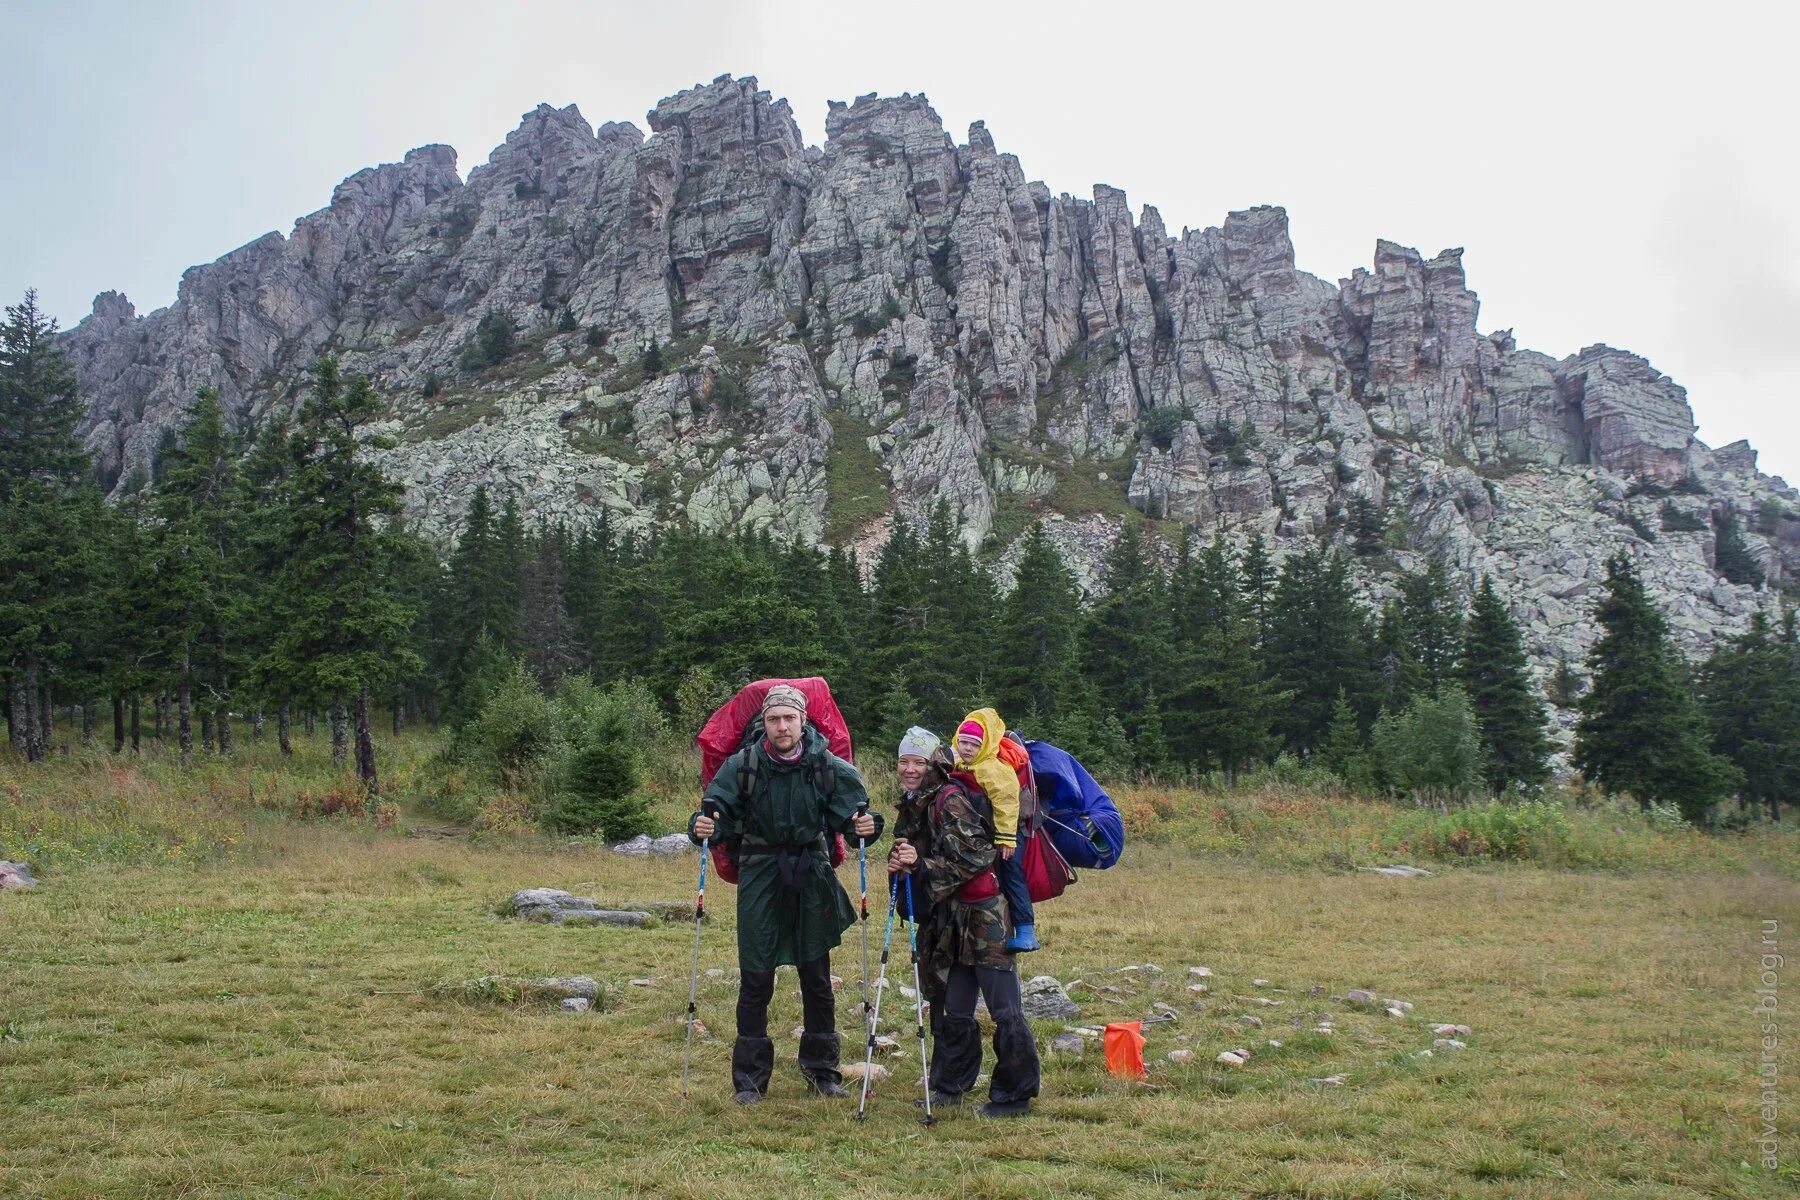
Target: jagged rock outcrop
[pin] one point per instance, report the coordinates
(895, 296)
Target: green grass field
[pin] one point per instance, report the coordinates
(206, 997)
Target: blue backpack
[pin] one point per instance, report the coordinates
(1082, 820)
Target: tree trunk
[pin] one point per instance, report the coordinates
(46, 726)
(284, 726)
(309, 721)
(118, 723)
(137, 729)
(256, 724)
(224, 724)
(399, 713)
(87, 721)
(35, 735)
(184, 702)
(206, 730)
(365, 743)
(162, 716)
(18, 716)
(340, 733)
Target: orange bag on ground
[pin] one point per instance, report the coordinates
(1124, 1046)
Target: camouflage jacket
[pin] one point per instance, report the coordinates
(952, 829)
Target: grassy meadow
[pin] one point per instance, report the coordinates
(231, 983)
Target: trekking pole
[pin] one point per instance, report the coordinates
(687, 1050)
(862, 871)
(912, 933)
(880, 987)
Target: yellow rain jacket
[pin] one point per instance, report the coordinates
(997, 779)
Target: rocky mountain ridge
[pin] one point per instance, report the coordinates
(716, 322)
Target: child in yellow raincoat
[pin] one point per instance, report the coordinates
(978, 752)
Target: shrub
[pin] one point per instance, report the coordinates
(490, 344)
(432, 385)
(514, 730)
(1533, 830)
(597, 793)
(1431, 750)
(1161, 425)
(1679, 520)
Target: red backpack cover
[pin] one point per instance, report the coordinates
(724, 735)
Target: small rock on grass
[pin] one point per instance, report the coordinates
(1404, 1006)
(1232, 1058)
(1328, 1081)
(1067, 1043)
(1139, 969)
(1199, 972)
(887, 1045)
(1394, 1012)
(1449, 1044)
(575, 1004)
(16, 877)
(1451, 1030)
(1181, 1056)
(1044, 999)
(648, 981)
(1259, 983)
(856, 1070)
(1199, 989)
(715, 972)
(1360, 996)
(1249, 1021)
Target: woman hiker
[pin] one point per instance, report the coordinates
(791, 908)
(944, 838)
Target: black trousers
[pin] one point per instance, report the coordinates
(818, 1005)
(956, 1049)
(753, 1054)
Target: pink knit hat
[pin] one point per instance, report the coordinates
(971, 729)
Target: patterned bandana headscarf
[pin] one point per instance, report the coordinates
(785, 695)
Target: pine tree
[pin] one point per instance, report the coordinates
(1495, 674)
(1750, 692)
(1565, 686)
(1039, 632)
(1222, 704)
(1128, 639)
(346, 634)
(1640, 730)
(1258, 572)
(1343, 745)
(1434, 623)
(1396, 663)
(47, 517)
(1318, 645)
(1731, 553)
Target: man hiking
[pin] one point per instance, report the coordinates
(776, 802)
(944, 838)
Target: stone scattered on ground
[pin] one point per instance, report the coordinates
(1199, 989)
(575, 1004)
(700, 1030)
(1067, 1043)
(1162, 1006)
(1045, 1000)
(1449, 1044)
(1360, 996)
(1399, 871)
(887, 1045)
(1180, 1056)
(1275, 1043)
(1404, 1006)
(1265, 1002)
(1259, 983)
(856, 1070)
(1250, 1022)
(558, 907)
(1328, 1081)
(1451, 1030)
(16, 877)
(715, 972)
(1317, 989)
(643, 844)
(837, 983)
(907, 993)
(1423, 1054)
(1394, 1011)
(647, 981)
(1199, 972)
(1233, 1058)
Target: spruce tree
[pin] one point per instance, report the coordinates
(346, 636)
(1495, 674)
(1434, 623)
(1039, 632)
(1318, 645)
(1128, 639)
(47, 518)
(1640, 730)
(1750, 691)
(1222, 705)
(1731, 553)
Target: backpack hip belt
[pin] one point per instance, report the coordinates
(793, 862)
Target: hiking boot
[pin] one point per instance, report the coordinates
(1016, 1108)
(826, 1088)
(1023, 939)
(940, 1100)
(749, 1096)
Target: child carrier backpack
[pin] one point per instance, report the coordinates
(735, 728)
(1046, 869)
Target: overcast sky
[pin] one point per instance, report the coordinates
(1625, 179)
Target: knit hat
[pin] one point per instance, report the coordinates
(918, 743)
(972, 729)
(785, 695)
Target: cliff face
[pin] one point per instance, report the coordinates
(895, 319)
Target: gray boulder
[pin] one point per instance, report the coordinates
(564, 908)
(16, 876)
(1046, 1000)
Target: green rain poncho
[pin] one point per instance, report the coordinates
(789, 806)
